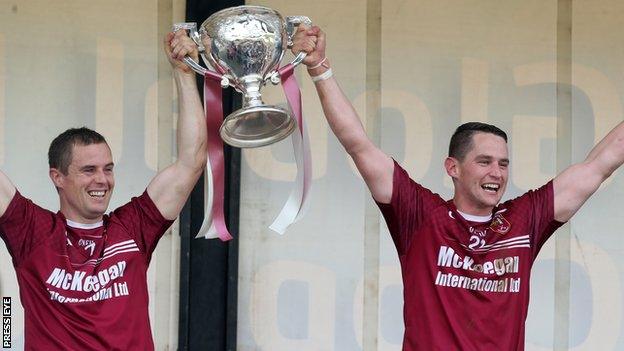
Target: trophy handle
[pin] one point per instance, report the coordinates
(193, 34)
(292, 22)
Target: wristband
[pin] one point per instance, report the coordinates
(319, 64)
(323, 76)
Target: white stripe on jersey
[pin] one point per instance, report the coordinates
(511, 247)
(121, 247)
(118, 252)
(119, 244)
(519, 241)
(512, 239)
(524, 239)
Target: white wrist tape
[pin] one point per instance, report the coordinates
(323, 76)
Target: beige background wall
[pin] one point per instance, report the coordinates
(328, 284)
(99, 64)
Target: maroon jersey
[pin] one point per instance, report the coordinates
(466, 278)
(83, 287)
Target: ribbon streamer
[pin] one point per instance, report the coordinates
(214, 225)
(295, 206)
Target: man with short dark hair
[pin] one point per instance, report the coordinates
(60, 151)
(83, 273)
(461, 140)
(465, 262)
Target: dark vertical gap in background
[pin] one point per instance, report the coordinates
(209, 268)
(185, 230)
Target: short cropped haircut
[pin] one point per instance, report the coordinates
(461, 141)
(60, 152)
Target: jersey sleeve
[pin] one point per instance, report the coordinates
(144, 222)
(407, 208)
(23, 226)
(540, 207)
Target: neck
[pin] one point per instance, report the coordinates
(470, 208)
(80, 219)
(71, 213)
(80, 225)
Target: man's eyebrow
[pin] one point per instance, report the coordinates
(112, 164)
(489, 158)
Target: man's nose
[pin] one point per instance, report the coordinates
(496, 172)
(100, 177)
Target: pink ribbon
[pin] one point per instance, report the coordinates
(213, 107)
(295, 205)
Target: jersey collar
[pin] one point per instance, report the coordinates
(84, 225)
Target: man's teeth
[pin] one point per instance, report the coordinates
(98, 193)
(490, 187)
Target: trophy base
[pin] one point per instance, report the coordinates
(257, 126)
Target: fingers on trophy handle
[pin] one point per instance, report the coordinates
(191, 27)
(292, 22)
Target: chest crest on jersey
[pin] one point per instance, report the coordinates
(500, 224)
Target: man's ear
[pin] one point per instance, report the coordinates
(57, 177)
(451, 164)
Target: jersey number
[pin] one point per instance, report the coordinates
(476, 242)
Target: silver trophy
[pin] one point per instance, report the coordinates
(245, 45)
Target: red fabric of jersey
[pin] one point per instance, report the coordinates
(84, 288)
(466, 284)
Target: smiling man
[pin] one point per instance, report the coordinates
(81, 168)
(480, 182)
(466, 262)
(83, 273)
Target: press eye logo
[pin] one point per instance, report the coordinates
(6, 322)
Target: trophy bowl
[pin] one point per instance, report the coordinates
(245, 45)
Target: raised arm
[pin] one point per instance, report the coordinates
(578, 182)
(7, 191)
(373, 164)
(172, 186)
